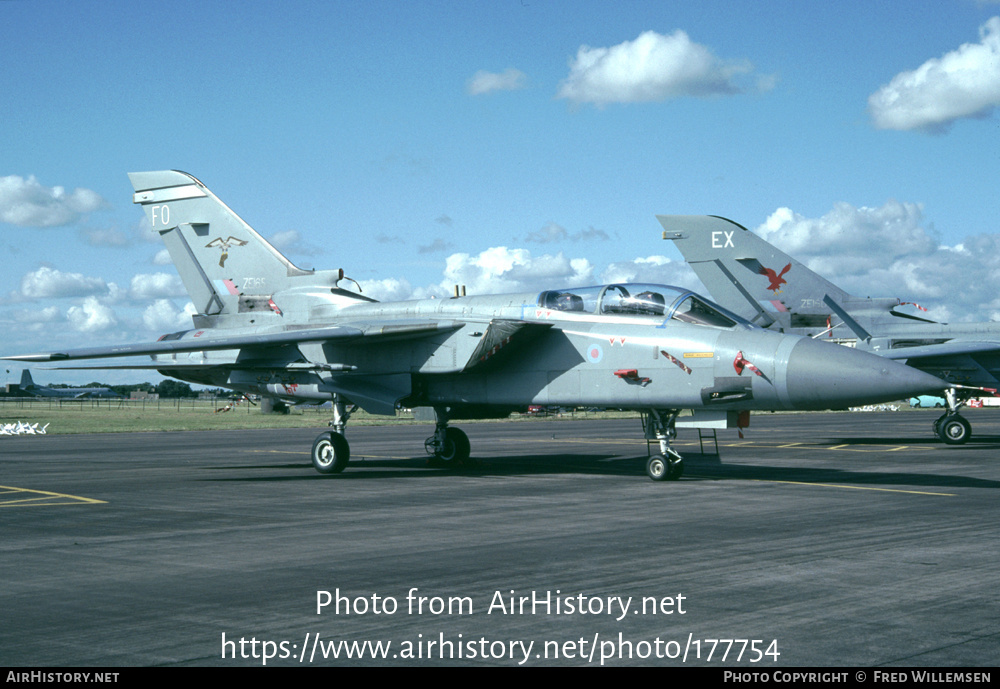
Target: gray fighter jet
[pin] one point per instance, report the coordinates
(28, 387)
(267, 327)
(766, 286)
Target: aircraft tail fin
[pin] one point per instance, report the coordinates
(747, 275)
(226, 266)
(26, 380)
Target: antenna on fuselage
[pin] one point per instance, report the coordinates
(341, 276)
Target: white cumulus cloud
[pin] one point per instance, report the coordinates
(893, 252)
(27, 203)
(483, 82)
(653, 67)
(850, 240)
(654, 269)
(962, 83)
(389, 289)
(156, 286)
(49, 314)
(49, 282)
(498, 270)
(91, 316)
(162, 315)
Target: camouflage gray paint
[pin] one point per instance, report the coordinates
(268, 327)
(761, 283)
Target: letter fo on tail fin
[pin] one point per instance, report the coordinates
(220, 258)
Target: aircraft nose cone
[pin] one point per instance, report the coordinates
(823, 375)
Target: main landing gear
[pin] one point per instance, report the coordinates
(448, 447)
(331, 451)
(658, 424)
(952, 428)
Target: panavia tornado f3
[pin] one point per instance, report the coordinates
(267, 327)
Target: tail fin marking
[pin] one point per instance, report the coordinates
(219, 257)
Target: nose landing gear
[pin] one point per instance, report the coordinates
(659, 425)
(952, 428)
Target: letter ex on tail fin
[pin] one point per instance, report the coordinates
(751, 277)
(747, 275)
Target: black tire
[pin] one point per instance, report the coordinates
(937, 425)
(955, 430)
(456, 448)
(330, 453)
(659, 468)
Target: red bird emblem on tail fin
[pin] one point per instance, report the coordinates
(776, 280)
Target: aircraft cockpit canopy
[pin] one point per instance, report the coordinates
(655, 301)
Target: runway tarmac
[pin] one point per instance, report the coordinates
(819, 540)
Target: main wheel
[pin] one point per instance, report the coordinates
(330, 453)
(456, 448)
(955, 430)
(660, 468)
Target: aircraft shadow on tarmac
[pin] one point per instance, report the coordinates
(375, 468)
(985, 442)
(707, 467)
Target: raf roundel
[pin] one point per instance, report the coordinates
(595, 353)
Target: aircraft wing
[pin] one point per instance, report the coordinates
(205, 340)
(951, 348)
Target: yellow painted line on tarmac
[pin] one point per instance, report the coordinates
(837, 485)
(41, 498)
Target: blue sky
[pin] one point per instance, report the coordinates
(506, 145)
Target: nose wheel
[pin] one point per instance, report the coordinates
(953, 429)
(659, 425)
(669, 468)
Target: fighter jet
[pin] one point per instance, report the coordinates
(28, 387)
(266, 327)
(739, 269)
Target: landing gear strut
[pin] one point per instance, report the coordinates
(658, 424)
(330, 451)
(952, 428)
(448, 446)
